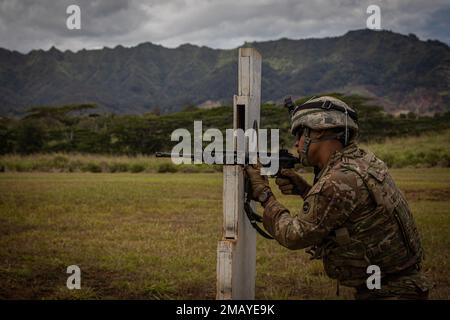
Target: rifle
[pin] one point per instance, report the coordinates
(286, 159)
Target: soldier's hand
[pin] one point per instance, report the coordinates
(290, 182)
(259, 183)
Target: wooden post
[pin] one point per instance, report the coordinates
(236, 252)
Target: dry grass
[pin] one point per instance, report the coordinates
(427, 150)
(62, 162)
(154, 236)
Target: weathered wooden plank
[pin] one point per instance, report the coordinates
(224, 268)
(236, 252)
(231, 207)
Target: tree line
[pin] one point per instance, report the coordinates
(78, 128)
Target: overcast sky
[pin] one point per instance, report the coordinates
(40, 24)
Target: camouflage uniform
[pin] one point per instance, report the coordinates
(352, 217)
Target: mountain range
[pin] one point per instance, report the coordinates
(399, 72)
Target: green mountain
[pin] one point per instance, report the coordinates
(398, 72)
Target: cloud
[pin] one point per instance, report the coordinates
(27, 24)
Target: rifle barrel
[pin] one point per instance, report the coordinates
(170, 155)
(283, 156)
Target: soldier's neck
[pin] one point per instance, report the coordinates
(326, 151)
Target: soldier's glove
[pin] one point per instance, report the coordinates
(290, 182)
(261, 191)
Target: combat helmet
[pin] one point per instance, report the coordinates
(324, 113)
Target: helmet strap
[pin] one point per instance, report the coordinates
(307, 142)
(346, 127)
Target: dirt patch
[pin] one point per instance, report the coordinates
(8, 228)
(36, 284)
(426, 194)
(190, 290)
(49, 282)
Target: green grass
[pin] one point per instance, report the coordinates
(154, 236)
(426, 150)
(61, 162)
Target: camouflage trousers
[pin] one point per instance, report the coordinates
(412, 285)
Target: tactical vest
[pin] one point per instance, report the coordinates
(386, 236)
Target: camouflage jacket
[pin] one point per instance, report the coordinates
(352, 217)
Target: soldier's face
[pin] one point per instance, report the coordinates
(299, 144)
(313, 147)
(299, 141)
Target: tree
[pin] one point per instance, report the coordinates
(7, 140)
(30, 137)
(62, 114)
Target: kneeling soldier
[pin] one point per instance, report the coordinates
(354, 215)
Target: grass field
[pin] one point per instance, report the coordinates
(423, 151)
(154, 236)
(426, 150)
